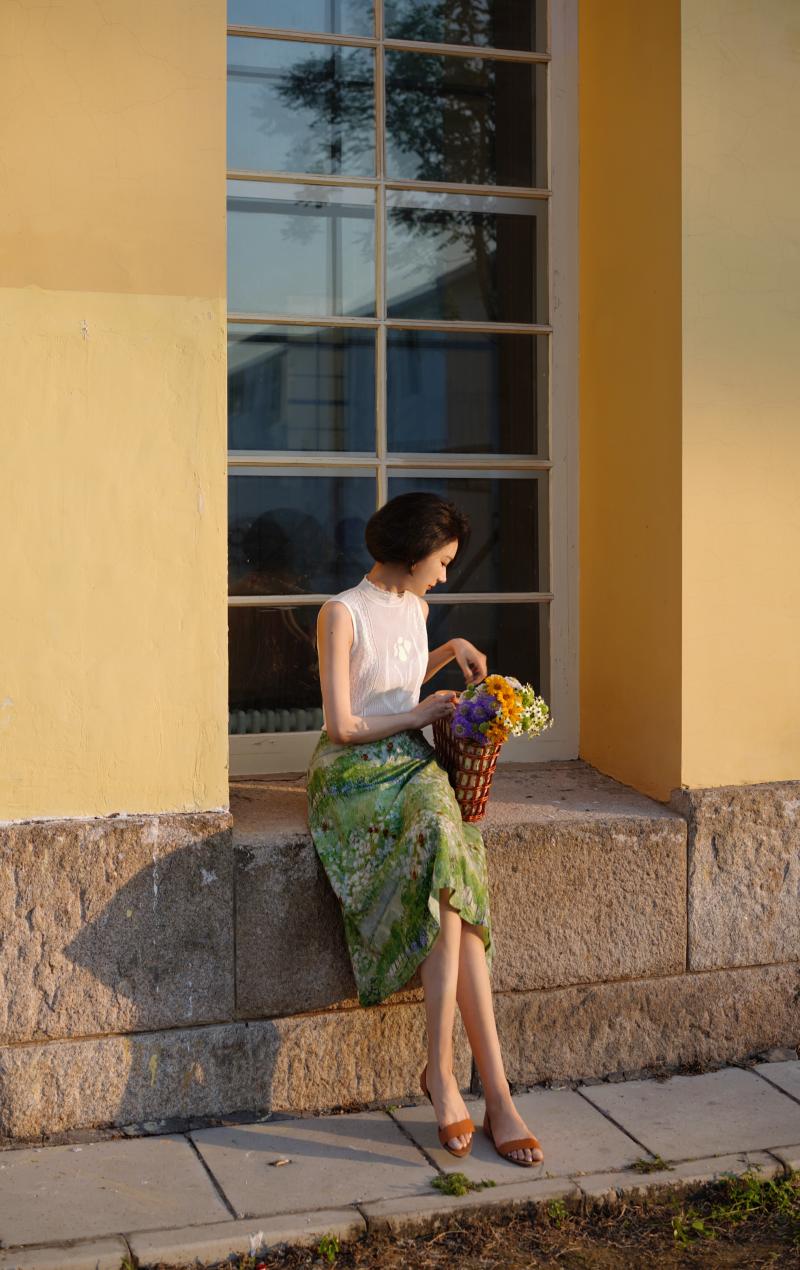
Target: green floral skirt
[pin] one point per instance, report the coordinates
(388, 830)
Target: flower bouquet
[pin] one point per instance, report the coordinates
(468, 744)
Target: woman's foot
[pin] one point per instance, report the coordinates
(447, 1103)
(507, 1124)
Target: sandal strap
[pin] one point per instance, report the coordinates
(455, 1130)
(518, 1144)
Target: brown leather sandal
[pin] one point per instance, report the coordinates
(454, 1130)
(513, 1144)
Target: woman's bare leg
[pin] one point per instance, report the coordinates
(474, 996)
(439, 975)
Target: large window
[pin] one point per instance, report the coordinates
(390, 327)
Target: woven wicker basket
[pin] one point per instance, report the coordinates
(470, 768)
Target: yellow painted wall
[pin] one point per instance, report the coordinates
(113, 675)
(630, 395)
(741, 391)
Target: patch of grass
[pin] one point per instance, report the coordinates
(457, 1184)
(650, 1166)
(558, 1212)
(736, 1200)
(328, 1247)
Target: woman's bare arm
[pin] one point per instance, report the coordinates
(334, 641)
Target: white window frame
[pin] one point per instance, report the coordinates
(266, 754)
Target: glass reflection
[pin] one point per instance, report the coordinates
(465, 119)
(513, 636)
(300, 388)
(293, 534)
(273, 676)
(300, 249)
(334, 17)
(458, 257)
(300, 107)
(507, 515)
(466, 393)
(500, 24)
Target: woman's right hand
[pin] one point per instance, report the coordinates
(439, 705)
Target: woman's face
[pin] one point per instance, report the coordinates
(432, 569)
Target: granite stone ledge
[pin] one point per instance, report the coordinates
(587, 882)
(744, 873)
(319, 1062)
(716, 1016)
(115, 923)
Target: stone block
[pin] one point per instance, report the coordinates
(115, 924)
(346, 1058)
(744, 873)
(584, 902)
(568, 1033)
(291, 954)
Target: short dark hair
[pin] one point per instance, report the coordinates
(411, 526)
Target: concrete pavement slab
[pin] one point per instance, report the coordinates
(402, 1216)
(785, 1075)
(609, 1186)
(345, 1159)
(690, 1117)
(88, 1254)
(103, 1188)
(575, 1138)
(213, 1243)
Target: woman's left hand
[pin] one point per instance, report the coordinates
(471, 660)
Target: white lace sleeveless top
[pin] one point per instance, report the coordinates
(389, 655)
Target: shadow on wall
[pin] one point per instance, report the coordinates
(174, 962)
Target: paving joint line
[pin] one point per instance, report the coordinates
(619, 1126)
(787, 1172)
(779, 1088)
(413, 1141)
(217, 1185)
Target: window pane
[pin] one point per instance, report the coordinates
(300, 388)
(300, 107)
(293, 534)
(300, 250)
(507, 515)
(465, 119)
(457, 257)
(466, 393)
(335, 17)
(513, 636)
(500, 24)
(273, 675)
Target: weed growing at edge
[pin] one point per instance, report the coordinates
(328, 1247)
(457, 1184)
(740, 1199)
(557, 1212)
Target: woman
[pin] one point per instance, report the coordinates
(409, 873)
